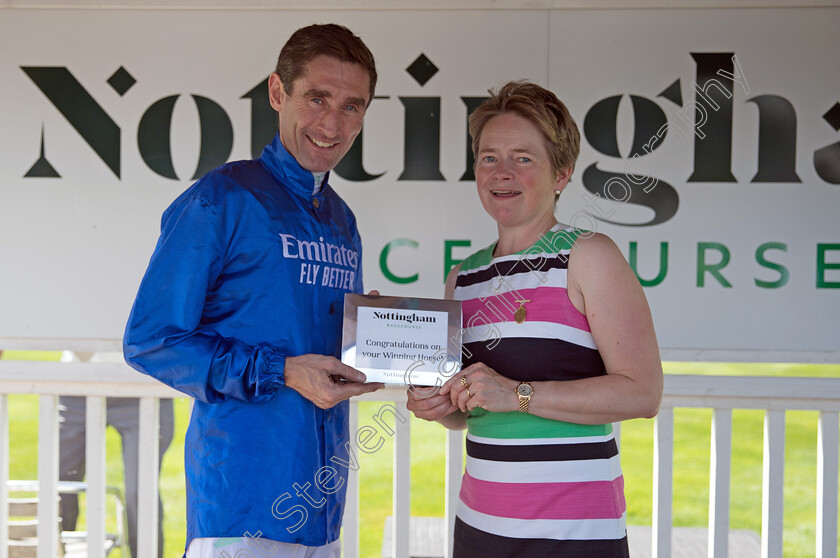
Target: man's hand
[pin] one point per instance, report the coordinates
(428, 404)
(325, 380)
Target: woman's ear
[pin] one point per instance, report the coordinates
(561, 178)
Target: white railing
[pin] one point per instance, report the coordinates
(775, 396)
(98, 380)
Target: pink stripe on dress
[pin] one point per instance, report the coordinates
(558, 500)
(548, 304)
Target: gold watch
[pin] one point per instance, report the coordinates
(524, 390)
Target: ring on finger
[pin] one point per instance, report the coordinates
(468, 393)
(464, 382)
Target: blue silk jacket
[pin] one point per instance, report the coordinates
(251, 267)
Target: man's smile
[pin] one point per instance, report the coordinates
(320, 143)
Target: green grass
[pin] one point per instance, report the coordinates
(691, 465)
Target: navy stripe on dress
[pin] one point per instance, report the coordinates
(542, 452)
(511, 268)
(473, 543)
(548, 359)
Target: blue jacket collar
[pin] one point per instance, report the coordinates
(287, 170)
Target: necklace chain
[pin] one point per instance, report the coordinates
(521, 313)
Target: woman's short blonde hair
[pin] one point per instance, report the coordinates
(539, 106)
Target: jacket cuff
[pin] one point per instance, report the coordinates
(276, 368)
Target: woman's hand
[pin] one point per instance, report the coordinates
(478, 385)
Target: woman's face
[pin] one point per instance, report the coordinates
(513, 172)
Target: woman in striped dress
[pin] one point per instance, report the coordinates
(558, 343)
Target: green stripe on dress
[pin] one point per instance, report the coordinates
(551, 242)
(556, 241)
(513, 425)
(479, 259)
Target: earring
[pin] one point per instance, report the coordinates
(557, 192)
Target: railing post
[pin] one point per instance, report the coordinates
(663, 465)
(350, 542)
(47, 476)
(401, 526)
(772, 500)
(95, 423)
(827, 457)
(454, 470)
(147, 478)
(719, 475)
(4, 476)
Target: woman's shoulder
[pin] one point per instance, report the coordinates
(594, 244)
(594, 257)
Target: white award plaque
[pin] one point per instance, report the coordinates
(397, 340)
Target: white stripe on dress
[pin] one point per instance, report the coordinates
(490, 332)
(525, 472)
(557, 529)
(515, 281)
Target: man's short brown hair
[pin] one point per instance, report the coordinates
(330, 39)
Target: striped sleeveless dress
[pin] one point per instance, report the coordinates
(534, 486)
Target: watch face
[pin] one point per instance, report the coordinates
(524, 390)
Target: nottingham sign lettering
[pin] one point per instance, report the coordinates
(706, 120)
(104, 135)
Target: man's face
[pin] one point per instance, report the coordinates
(324, 113)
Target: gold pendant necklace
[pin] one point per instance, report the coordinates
(521, 313)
